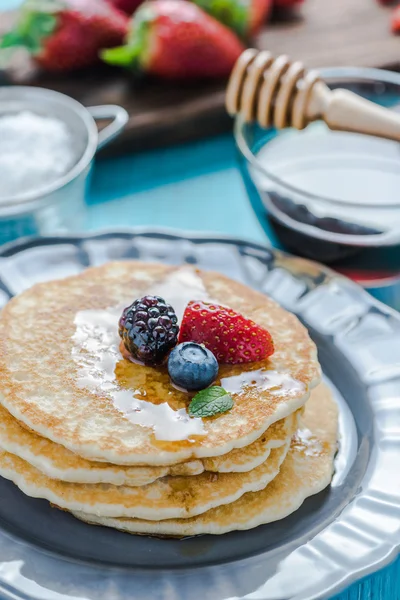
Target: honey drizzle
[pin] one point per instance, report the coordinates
(145, 395)
(103, 370)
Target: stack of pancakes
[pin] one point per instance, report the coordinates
(111, 440)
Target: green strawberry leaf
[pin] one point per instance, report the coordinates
(11, 39)
(134, 53)
(209, 402)
(122, 56)
(32, 28)
(235, 14)
(35, 28)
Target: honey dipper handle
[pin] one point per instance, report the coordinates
(345, 111)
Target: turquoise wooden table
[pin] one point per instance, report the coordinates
(195, 187)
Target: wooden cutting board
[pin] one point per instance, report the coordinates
(328, 33)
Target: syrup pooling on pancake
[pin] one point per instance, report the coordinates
(99, 358)
(262, 379)
(102, 369)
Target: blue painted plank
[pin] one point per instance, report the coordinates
(196, 187)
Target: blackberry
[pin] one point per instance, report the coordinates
(149, 329)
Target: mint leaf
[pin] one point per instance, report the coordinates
(209, 402)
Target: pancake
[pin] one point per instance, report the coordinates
(58, 462)
(242, 460)
(170, 497)
(61, 373)
(307, 470)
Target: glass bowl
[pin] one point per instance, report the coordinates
(327, 194)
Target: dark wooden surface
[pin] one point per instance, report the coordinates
(328, 33)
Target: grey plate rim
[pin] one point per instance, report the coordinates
(378, 557)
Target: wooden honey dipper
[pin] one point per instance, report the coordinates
(278, 92)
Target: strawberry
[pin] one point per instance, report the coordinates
(245, 18)
(175, 39)
(395, 22)
(127, 6)
(63, 35)
(231, 337)
(260, 11)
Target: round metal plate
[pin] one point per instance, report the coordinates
(335, 537)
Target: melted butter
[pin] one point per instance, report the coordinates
(145, 395)
(179, 289)
(136, 390)
(262, 379)
(307, 442)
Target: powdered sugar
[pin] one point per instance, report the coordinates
(35, 150)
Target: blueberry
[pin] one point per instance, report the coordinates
(192, 366)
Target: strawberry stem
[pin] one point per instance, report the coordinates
(134, 53)
(121, 56)
(235, 14)
(30, 32)
(11, 39)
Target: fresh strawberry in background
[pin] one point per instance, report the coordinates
(175, 39)
(230, 336)
(63, 35)
(127, 6)
(395, 23)
(245, 18)
(260, 10)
